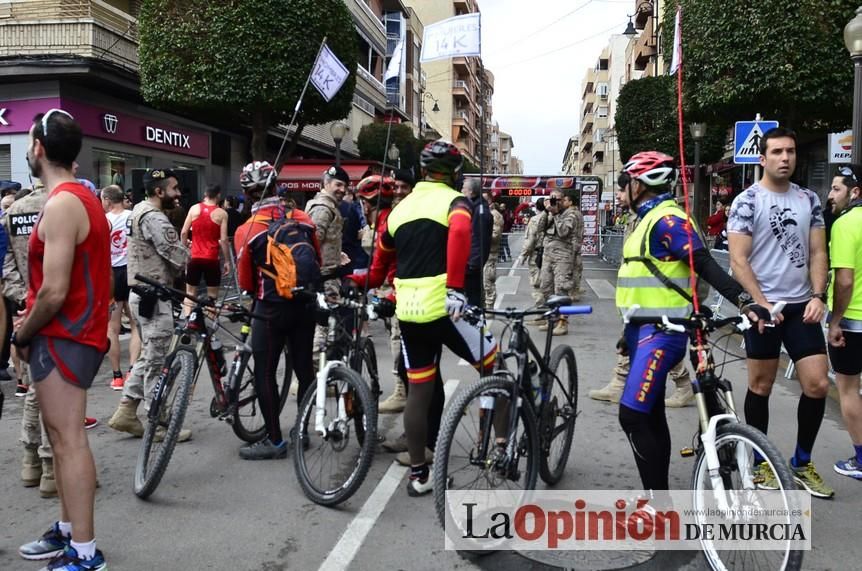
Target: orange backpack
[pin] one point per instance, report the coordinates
(291, 259)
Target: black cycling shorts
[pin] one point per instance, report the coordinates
(121, 284)
(422, 345)
(847, 360)
(799, 338)
(199, 268)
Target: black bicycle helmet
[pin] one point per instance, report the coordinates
(441, 157)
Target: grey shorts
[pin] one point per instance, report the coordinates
(76, 363)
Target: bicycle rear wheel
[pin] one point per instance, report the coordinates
(165, 419)
(466, 456)
(558, 415)
(735, 444)
(248, 423)
(331, 468)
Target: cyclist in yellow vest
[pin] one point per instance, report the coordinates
(655, 276)
(429, 234)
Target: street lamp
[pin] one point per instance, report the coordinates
(698, 131)
(631, 32)
(435, 109)
(338, 130)
(853, 41)
(394, 155)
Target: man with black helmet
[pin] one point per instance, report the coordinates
(429, 234)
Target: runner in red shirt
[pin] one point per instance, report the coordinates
(64, 335)
(207, 223)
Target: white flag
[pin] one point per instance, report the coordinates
(394, 69)
(455, 37)
(329, 74)
(677, 43)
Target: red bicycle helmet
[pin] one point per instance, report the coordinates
(441, 157)
(652, 168)
(370, 186)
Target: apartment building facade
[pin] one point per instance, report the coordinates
(571, 157)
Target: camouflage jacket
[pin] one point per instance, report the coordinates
(577, 230)
(155, 250)
(558, 233)
(323, 210)
(496, 233)
(19, 221)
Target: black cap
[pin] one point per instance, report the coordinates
(404, 176)
(338, 173)
(9, 186)
(155, 175)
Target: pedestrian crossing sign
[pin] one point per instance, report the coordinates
(746, 140)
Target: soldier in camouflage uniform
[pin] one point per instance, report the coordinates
(490, 275)
(577, 261)
(531, 249)
(323, 210)
(155, 251)
(37, 465)
(556, 276)
(682, 395)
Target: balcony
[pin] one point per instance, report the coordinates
(366, 20)
(644, 13)
(643, 51)
(461, 91)
(463, 66)
(370, 87)
(89, 29)
(462, 6)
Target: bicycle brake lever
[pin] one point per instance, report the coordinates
(744, 324)
(627, 316)
(671, 326)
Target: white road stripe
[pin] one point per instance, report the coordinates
(603, 288)
(351, 540)
(449, 388)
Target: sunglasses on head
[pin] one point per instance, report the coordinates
(848, 172)
(47, 115)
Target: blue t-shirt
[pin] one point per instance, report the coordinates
(669, 237)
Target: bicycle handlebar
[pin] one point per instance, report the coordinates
(234, 308)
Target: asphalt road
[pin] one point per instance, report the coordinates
(215, 511)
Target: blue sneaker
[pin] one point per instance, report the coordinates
(51, 544)
(70, 561)
(849, 467)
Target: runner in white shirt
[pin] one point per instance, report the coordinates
(118, 218)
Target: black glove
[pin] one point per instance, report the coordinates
(623, 347)
(385, 308)
(761, 312)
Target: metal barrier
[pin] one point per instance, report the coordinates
(612, 248)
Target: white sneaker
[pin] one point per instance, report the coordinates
(416, 488)
(294, 387)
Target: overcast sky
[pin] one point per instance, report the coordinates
(539, 51)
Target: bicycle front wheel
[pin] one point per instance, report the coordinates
(472, 451)
(736, 444)
(165, 420)
(558, 415)
(331, 467)
(248, 423)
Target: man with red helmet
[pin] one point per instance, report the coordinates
(429, 233)
(655, 275)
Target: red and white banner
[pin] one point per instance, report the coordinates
(590, 210)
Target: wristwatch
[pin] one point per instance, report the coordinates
(820, 296)
(743, 299)
(14, 340)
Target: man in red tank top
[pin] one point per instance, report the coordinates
(205, 230)
(64, 334)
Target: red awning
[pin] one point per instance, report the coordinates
(306, 176)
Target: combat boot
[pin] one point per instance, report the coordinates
(562, 327)
(31, 467)
(611, 392)
(125, 418)
(47, 484)
(396, 401)
(682, 396)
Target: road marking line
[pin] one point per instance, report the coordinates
(602, 288)
(449, 388)
(351, 540)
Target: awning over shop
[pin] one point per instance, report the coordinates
(306, 176)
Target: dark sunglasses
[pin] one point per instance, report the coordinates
(848, 172)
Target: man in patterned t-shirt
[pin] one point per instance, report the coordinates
(777, 245)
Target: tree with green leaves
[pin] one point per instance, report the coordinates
(244, 59)
(646, 120)
(372, 143)
(785, 60)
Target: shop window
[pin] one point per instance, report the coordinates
(220, 149)
(5, 162)
(112, 167)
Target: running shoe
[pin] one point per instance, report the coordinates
(850, 467)
(21, 390)
(51, 544)
(764, 477)
(90, 422)
(417, 487)
(807, 477)
(117, 383)
(264, 450)
(69, 560)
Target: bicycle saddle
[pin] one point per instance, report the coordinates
(556, 301)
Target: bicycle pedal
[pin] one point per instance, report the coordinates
(686, 452)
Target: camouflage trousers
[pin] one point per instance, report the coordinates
(156, 333)
(556, 276)
(535, 279)
(490, 280)
(577, 275)
(33, 433)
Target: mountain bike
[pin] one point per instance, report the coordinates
(193, 344)
(337, 421)
(724, 448)
(507, 428)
